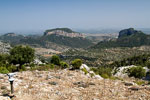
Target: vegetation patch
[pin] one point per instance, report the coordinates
(140, 82)
(137, 72)
(76, 63)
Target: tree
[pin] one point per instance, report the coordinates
(21, 55)
(55, 60)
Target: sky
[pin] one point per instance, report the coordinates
(31, 15)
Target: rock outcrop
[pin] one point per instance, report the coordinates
(127, 32)
(64, 32)
(89, 73)
(4, 98)
(4, 47)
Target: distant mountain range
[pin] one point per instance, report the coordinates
(61, 38)
(53, 38)
(127, 38)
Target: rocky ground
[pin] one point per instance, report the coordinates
(70, 85)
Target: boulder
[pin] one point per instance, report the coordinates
(98, 77)
(37, 61)
(128, 84)
(4, 98)
(122, 71)
(85, 66)
(134, 88)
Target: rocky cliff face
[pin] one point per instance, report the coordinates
(64, 32)
(4, 47)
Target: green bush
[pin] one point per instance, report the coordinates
(55, 60)
(64, 65)
(3, 70)
(32, 65)
(140, 82)
(85, 71)
(52, 66)
(4, 58)
(40, 68)
(23, 68)
(95, 70)
(148, 64)
(104, 75)
(12, 68)
(105, 72)
(76, 63)
(137, 72)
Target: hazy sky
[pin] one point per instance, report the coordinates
(18, 15)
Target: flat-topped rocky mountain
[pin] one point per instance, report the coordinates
(64, 32)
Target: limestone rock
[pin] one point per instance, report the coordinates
(85, 66)
(98, 77)
(121, 71)
(128, 84)
(4, 98)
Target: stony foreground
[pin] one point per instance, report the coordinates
(69, 85)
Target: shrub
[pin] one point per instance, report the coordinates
(12, 68)
(105, 75)
(105, 72)
(4, 58)
(52, 66)
(76, 63)
(115, 78)
(64, 65)
(3, 70)
(40, 68)
(148, 64)
(23, 68)
(140, 82)
(32, 65)
(84, 70)
(55, 60)
(95, 70)
(137, 72)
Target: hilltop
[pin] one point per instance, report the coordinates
(64, 32)
(127, 38)
(11, 37)
(128, 32)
